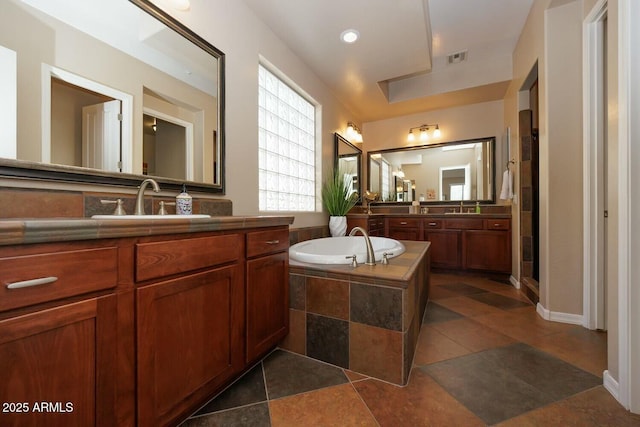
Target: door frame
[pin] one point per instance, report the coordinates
(594, 298)
(629, 206)
(126, 138)
(188, 137)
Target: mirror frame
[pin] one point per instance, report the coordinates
(491, 139)
(13, 168)
(339, 139)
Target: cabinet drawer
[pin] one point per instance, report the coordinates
(464, 224)
(63, 274)
(433, 224)
(268, 241)
(404, 222)
(377, 223)
(498, 224)
(159, 259)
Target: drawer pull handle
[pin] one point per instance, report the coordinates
(32, 282)
(496, 225)
(403, 222)
(273, 242)
(432, 224)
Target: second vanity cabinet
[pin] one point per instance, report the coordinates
(458, 242)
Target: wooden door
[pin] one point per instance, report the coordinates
(267, 303)
(445, 248)
(58, 366)
(190, 341)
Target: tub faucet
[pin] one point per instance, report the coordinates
(371, 258)
(139, 210)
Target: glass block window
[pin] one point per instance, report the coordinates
(286, 147)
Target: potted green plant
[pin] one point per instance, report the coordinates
(338, 199)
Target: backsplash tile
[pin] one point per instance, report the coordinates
(29, 203)
(32, 203)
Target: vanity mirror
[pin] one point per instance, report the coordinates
(106, 92)
(436, 173)
(348, 160)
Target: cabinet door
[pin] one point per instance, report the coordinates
(487, 250)
(189, 338)
(58, 366)
(267, 303)
(445, 248)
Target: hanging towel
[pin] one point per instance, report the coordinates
(507, 185)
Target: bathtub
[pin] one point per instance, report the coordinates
(335, 250)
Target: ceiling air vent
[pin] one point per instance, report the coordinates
(457, 57)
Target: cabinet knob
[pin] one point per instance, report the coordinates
(31, 282)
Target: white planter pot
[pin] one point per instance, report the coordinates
(338, 225)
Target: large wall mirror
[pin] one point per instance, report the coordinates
(437, 173)
(109, 92)
(348, 161)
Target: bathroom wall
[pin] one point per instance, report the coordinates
(552, 37)
(235, 30)
(459, 123)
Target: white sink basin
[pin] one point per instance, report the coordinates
(148, 217)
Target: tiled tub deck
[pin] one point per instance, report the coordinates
(365, 319)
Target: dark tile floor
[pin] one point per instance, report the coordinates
(484, 357)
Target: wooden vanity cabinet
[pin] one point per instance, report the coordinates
(189, 323)
(445, 244)
(58, 339)
(267, 291)
(404, 228)
(488, 249)
(374, 225)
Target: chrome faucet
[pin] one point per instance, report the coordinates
(139, 210)
(371, 258)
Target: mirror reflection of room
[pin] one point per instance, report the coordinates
(88, 113)
(443, 172)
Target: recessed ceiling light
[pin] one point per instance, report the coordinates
(349, 36)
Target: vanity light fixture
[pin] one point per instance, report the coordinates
(349, 36)
(424, 132)
(353, 132)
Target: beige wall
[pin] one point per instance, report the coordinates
(456, 124)
(552, 37)
(235, 30)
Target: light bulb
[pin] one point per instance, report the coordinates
(436, 132)
(359, 137)
(423, 135)
(411, 137)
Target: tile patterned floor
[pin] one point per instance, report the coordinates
(484, 357)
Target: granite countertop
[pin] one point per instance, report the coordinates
(432, 215)
(396, 274)
(25, 230)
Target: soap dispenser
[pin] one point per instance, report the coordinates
(477, 207)
(184, 202)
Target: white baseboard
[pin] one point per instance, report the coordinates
(611, 385)
(554, 316)
(514, 282)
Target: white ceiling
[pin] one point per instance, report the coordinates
(399, 65)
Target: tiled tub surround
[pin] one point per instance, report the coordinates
(365, 319)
